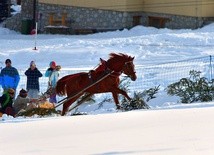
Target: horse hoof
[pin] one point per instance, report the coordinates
(63, 113)
(119, 107)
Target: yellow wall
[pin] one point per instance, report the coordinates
(208, 8)
(118, 5)
(195, 8)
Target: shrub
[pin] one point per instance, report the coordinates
(136, 103)
(139, 98)
(192, 89)
(150, 93)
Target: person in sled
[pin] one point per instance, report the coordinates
(23, 102)
(9, 76)
(53, 74)
(6, 101)
(33, 75)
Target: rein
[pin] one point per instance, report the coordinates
(68, 98)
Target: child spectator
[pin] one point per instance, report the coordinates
(22, 102)
(6, 101)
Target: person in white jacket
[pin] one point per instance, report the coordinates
(53, 73)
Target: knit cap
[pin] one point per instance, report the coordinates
(53, 64)
(32, 63)
(7, 61)
(23, 93)
(11, 91)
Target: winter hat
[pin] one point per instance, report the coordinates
(53, 64)
(11, 91)
(32, 63)
(23, 93)
(7, 61)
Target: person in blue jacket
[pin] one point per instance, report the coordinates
(9, 76)
(53, 73)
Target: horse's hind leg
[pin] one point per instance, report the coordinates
(82, 100)
(67, 104)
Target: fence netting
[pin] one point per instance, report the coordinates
(147, 76)
(167, 73)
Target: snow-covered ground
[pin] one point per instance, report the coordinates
(167, 128)
(151, 132)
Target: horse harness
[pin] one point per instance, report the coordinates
(107, 72)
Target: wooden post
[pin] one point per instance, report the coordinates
(51, 18)
(35, 37)
(64, 16)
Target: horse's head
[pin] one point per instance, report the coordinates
(129, 69)
(122, 63)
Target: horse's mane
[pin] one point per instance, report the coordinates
(117, 56)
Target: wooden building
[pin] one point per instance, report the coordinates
(89, 16)
(163, 13)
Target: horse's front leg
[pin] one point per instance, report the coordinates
(115, 96)
(120, 91)
(116, 101)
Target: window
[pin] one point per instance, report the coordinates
(136, 20)
(158, 22)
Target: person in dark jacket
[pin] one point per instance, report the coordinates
(9, 76)
(33, 75)
(6, 101)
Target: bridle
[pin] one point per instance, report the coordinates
(128, 66)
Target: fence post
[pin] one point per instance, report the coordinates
(211, 70)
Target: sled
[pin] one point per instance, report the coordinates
(41, 107)
(38, 111)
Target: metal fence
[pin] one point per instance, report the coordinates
(170, 72)
(147, 76)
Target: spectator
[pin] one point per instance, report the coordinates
(22, 102)
(6, 101)
(53, 73)
(9, 76)
(33, 75)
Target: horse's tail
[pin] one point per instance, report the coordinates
(61, 86)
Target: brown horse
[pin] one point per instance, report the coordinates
(105, 78)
